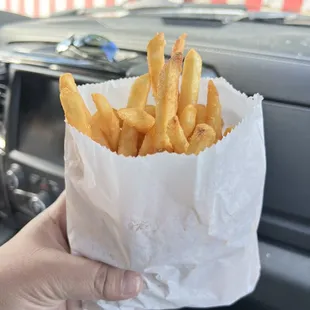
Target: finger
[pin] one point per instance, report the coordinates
(77, 278)
(73, 305)
(57, 212)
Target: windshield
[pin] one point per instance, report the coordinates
(39, 9)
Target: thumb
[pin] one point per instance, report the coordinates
(83, 279)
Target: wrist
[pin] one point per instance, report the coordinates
(9, 279)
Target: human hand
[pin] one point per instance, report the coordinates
(37, 271)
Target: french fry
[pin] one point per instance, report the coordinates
(150, 109)
(214, 110)
(188, 120)
(139, 92)
(120, 120)
(168, 89)
(96, 133)
(74, 109)
(67, 81)
(109, 123)
(201, 114)
(204, 136)
(177, 136)
(141, 137)
(128, 142)
(156, 59)
(137, 118)
(190, 80)
(176, 123)
(179, 45)
(147, 147)
(228, 130)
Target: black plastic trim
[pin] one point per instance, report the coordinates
(13, 98)
(37, 163)
(6, 232)
(288, 74)
(285, 278)
(293, 232)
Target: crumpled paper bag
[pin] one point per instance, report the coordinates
(187, 223)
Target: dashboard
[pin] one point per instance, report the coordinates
(274, 62)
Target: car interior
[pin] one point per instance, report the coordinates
(257, 52)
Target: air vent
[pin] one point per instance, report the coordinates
(3, 89)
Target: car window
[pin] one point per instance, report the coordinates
(41, 9)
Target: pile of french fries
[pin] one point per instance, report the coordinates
(176, 123)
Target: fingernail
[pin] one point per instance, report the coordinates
(131, 284)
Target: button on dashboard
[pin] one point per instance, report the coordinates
(14, 177)
(54, 187)
(34, 179)
(21, 197)
(40, 202)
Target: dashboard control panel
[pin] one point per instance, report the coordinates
(33, 157)
(30, 191)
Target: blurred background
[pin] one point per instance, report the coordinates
(43, 8)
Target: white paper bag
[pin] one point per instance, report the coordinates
(187, 223)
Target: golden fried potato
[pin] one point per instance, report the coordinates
(150, 109)
(177, 136)
(168, 89)
(141, 137)
(109, 123)
(228, 130)
(67, 81)
(96, 133)
(179, 45)
(214, 110)
(120, 120)
(76, 113)
(139, 92)
(128, 142)
(201, 115)
(137, 118)
(204, 136)
(176, 123)
(190, 80)
(188, 120)
(148, 146)
(156, 59)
